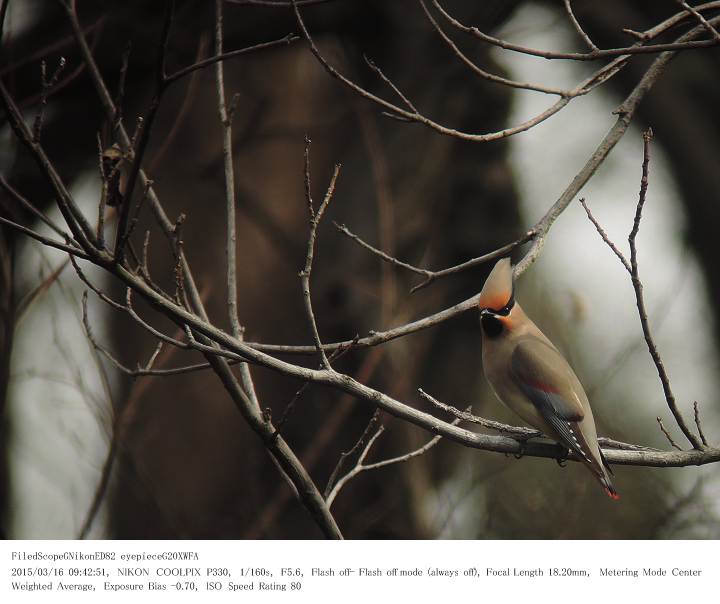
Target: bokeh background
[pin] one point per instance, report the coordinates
(185, 465)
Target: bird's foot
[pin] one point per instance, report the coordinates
(562, 459)
(521, 453)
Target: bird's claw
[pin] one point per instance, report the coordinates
(562, 459)
(521, 453)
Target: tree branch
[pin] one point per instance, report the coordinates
(578, 56)
(640, 300)
(315, 218)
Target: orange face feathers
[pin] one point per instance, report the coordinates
(498, 288)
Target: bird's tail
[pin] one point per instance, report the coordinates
(604, 480)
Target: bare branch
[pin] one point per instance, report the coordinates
(640, 300)
(412, 116)
(315, 218)
(391, 84)
(350, 452)
(138, 151)
(490, 77)
(577, 56)
(47, 86)
(518, 431)
(81, 229)
(226, 116)
(180, 73)
(605, 237)
(309, 496)
(693, 11)
(361, 466)
(45, 240)
(578, 27)
(698, 424)
(625, 113)
(230, 235)
(632, 268)
(429, 275)
(667, 434)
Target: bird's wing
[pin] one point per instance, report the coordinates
(545, 377)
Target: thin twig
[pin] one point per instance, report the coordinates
(694, 12)
(147, 370)
(698, 424)
(46, 240)
(640, 300)
(523, 433)
(349, 453)
(47, 86)
(490, 77)
(230, 220)
(578, 27)
(429, 275)
(315, 218)
(288, 409)
(412, 116)
(138, 151)
(667, 434)
(180, 73)
(361, 466)
(625, 113)
(226, 117)
(23, 201)
(74, 218)
(605, 237)
(579, 56)
(391, 84)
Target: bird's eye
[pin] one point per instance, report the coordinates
(492, 326)
(505, 310)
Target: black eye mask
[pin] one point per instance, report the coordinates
(505, 310)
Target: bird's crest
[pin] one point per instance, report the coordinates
(498, 288)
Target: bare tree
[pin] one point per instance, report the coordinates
(158, 297)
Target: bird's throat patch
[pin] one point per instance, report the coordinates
(491, 325)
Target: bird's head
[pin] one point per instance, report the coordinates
(497, 299)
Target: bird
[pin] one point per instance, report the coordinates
(531, 377)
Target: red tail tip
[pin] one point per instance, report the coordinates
(612, 494)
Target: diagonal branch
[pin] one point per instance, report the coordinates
(396, 111)
(578, 27)
(490, 77)
(429, 275)
(694, 12)
(589, 56)
(625, 113)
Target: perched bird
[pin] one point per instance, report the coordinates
(530, 376)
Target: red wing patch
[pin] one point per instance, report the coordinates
(542, 386)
